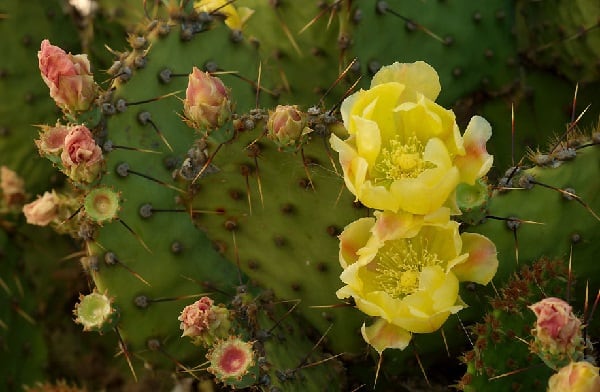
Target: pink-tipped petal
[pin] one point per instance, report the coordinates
(382, 335)
(482, 264)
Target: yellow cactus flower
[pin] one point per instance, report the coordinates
(405, 270)
(579, 376)
(234, 17)
(405, 152)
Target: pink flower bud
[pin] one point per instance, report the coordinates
(558, 337)
(43, 210)
(204, 322)
(206, 105)
(69, 77)
(81, 156)
(575, 377)
(52, 139)
(12, 187)
(286, 126)
(556, 322)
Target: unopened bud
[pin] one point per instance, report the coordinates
(286, 126)
(557, 332)
(206, 105)
(69, 77)
(205, 322)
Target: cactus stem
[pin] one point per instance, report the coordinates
(71, 216)
(258, 79)
(572, 126)
(5, 287)
(111, 259)
(310, 182)
(259, 182)
(418, 358)
(180, 297)
(587, 318)
(343, 97)
(108, 147)
(416, 25)
(208, 162)
(23, 313)
(145, 118)
(156, 180)
(137, 237)
(236, 254)
(336, 81)
(304, 363)
(294, 306)
(570, 278)
(574, 104)
(126, 353)
(512, 372)
(512, 134)
(152, 99)
(155, 345)
(569, 195)
(328, 8)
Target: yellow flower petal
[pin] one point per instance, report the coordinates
(426, 193)
(377, 103)
(368, 139)
(377, 197)
(353, 238)
(482, 264)
(476, 162)
(418, 77)
(382, 335)
(401, 225)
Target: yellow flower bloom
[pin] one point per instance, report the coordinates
(575, 377)
(405, 152)
(234, 17)
(405, 269)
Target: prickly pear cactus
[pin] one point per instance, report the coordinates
(143, 250)
(501, 358)
(168, 214)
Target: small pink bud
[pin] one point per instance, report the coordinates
(286, 126)
(206, 105)
(12, 187)
(575, 377)
(81, 156)
(52, 139)
(69, 77)
(43, 210)
(230, 359)
(204, 322)
(558, 338)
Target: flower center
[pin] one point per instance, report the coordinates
(401, 160)
(399, 263)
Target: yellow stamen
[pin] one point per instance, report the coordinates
(399, 264)
(401, 160)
